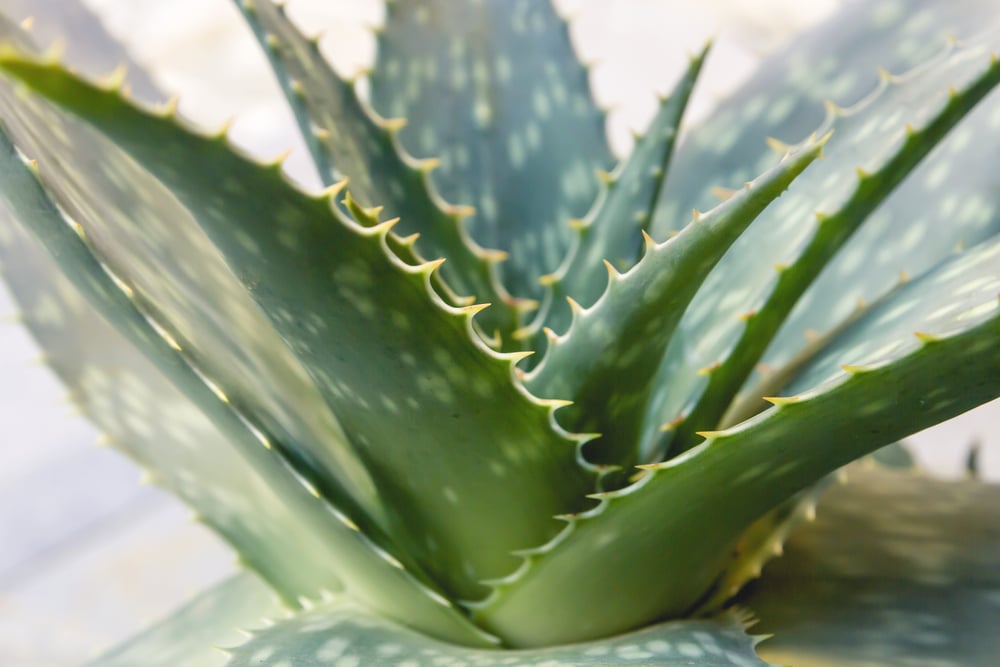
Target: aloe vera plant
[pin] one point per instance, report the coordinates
(491, 398)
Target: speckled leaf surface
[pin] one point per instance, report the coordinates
(338, 633)
(348, 141)
(156, 248)
(837, 60)
(494, 90)
(874, 146)
(190, 636)
(211, 455)
(605, 362)
(832, 415)
(611, 231)
(914, 584)
(384, 351)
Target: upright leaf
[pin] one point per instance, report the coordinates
(348, 141)
(495, 91)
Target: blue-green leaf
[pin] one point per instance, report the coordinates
(495, 91)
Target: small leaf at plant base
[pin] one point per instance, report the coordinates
(926, 560)
(191, 635)
(494, 90)
(339, 632)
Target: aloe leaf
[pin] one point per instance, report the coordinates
(338, 297)
(611, 231)
(190, 636)
(339, 632)
(836, 61)
(650, 540)
(223, 466)
(348, 141)
(874, 147)
(914, 583)
(606, 360)
(495, 91)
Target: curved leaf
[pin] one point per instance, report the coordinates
(340, 633)
(651, 540)
(349, 309)
(190, 636)
(222, 465)
(874, 146)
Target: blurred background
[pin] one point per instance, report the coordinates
(88, 555)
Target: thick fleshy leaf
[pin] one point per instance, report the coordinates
(212, 455)
(606, 360)
(874, 146)
(351, 312)
(340, 633)
(190, 636)
(348, 141)
(611, 231)
(494, 90)
(914, 583)
(651, 541)
(837, 60)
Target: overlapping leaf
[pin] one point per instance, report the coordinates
(652, 542)
(338, 632)
(348, 141)
(914, 583)
(495, 91)
(770, 267)
(611, 231)
(606, 361)
(383, 354)
(212, 456)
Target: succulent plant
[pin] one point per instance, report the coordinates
(318, 375)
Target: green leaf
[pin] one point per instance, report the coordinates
(212, 455)
(874, 147)
(605, 362)
(348, 141)
(190, 636)
(338, 632)
(651, 542)
(352, 313)
(836, 61)
(611, 231)
(914, 583)
(495, 91)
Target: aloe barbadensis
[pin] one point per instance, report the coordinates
(338, 382)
